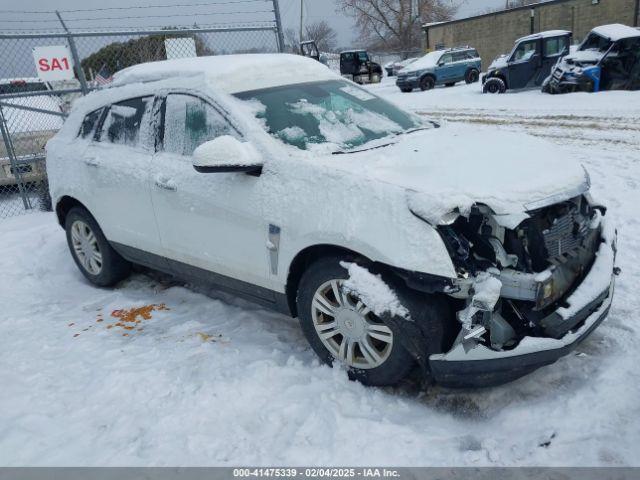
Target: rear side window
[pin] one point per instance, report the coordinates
(460, 56)
(189, 122)
(125, 121)
(446, 58)
(89, 124)
(556, 46)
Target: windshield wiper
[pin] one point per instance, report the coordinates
(343, 152)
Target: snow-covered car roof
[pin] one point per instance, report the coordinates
(428, 61)
(547, 34)
(357, 50)
(616, 31)
(232, 73)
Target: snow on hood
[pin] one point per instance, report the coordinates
(430, 60)
(456, 167)
(500, 62)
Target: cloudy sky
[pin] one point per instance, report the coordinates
(23, 15)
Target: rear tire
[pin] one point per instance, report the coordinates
(472, 76)
(427, 83)
(94, 256)
(494, 85)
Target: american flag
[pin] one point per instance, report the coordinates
(104, 77)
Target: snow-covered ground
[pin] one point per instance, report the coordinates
(212, 380)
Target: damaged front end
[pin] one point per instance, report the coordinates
(529, 288)
(579, 72)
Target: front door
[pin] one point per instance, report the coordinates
(210, 223)
(524, 64)
(446, 68)
(117, 163)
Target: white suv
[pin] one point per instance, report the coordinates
(396, 243)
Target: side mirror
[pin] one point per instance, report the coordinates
(227, 154)
(441, 64)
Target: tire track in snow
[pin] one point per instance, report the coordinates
(621, 131)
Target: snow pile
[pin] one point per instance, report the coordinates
(373, 291)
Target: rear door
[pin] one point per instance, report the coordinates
(525, 64)
(117, 164)
(460, 63)
(553, 48)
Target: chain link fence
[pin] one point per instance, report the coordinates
(33, 110)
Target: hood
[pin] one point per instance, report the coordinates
(500, 62)
(584, 56)
(453, 168)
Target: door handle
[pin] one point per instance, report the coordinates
(91, 162)
(166, 184)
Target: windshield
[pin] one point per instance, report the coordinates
(331, 112)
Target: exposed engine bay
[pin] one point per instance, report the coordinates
(512, 279)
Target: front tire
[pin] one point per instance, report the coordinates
(494, 85)
(94, 256)
(406, 90)
(427, 83)
(341, 328)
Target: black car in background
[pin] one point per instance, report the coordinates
(529, 63)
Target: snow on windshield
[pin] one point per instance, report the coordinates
(332, 115)
(344, 127)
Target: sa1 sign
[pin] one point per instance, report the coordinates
(53, 63)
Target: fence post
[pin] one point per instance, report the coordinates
(76, 57)
(276, 9)
(13, 161)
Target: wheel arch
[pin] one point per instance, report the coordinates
(503, 78)
(64, 206)
(306, 257)
(430, 74)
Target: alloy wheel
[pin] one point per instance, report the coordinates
(86, 248)
(348, 328)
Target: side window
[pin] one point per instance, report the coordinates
(189, 122)
(446, 59)
(473, 54)
(89, 123)
(525, 51)
(555, 46)
(126, 122)
(460, 56)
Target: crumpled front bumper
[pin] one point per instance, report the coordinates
(588, 306)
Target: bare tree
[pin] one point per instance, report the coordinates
(396, 24)
(323, 34)
(291, 40)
